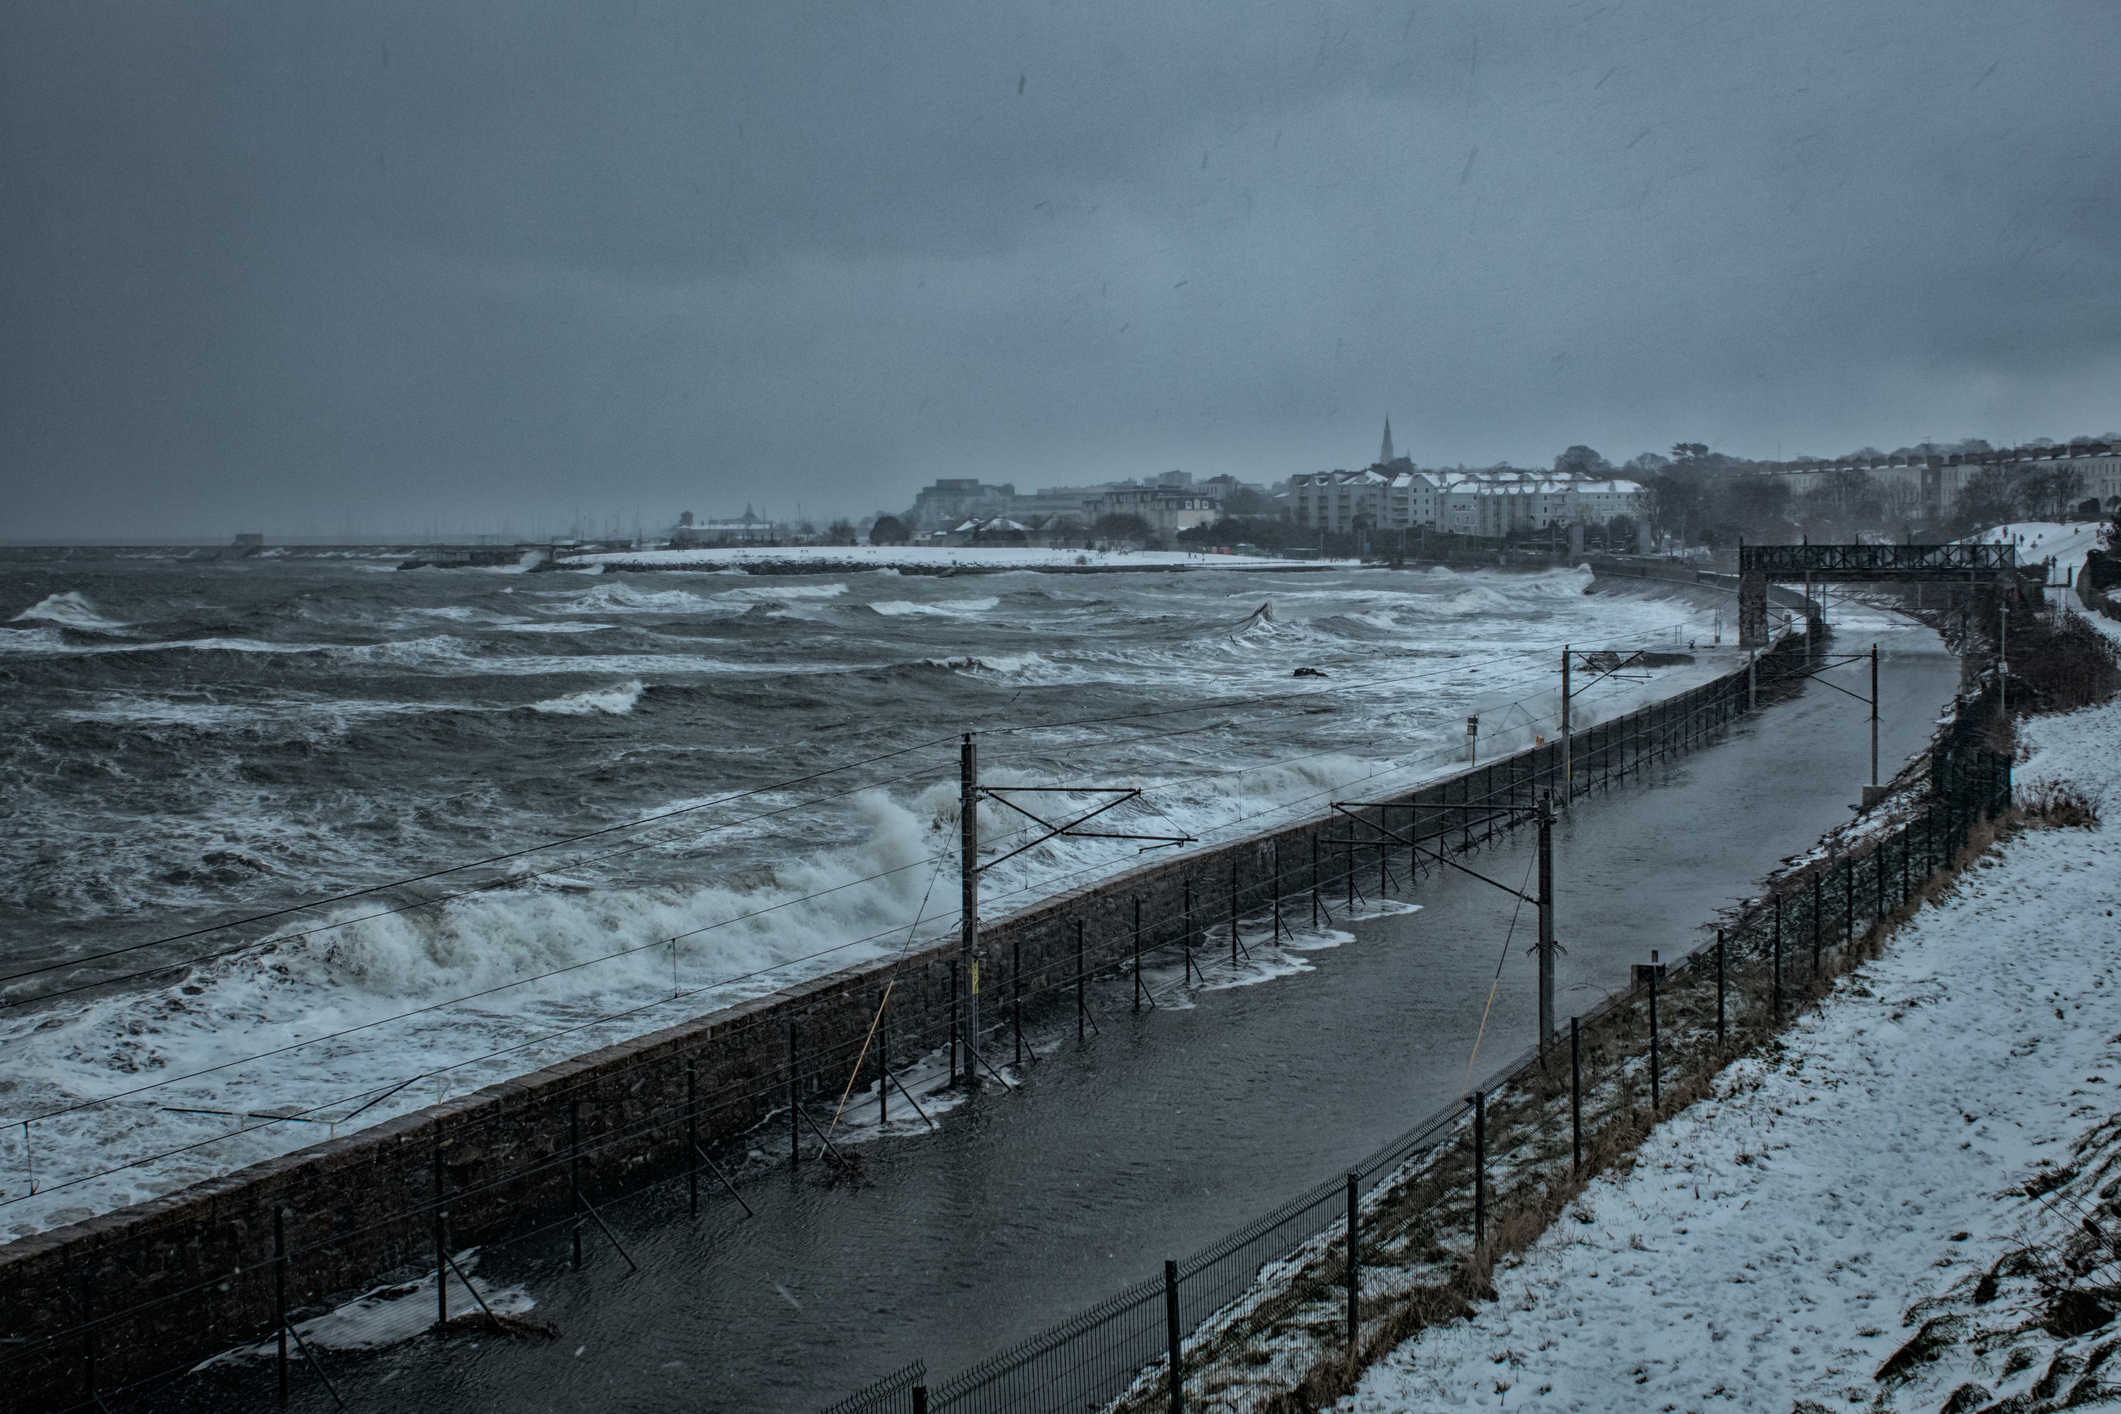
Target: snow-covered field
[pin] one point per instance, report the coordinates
(1837, 1206)
(924, 557)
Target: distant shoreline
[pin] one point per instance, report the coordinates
(918, 560)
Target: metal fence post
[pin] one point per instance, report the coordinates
(1480, 1168)
(1354, 1268)
(795, 1114)
(1016, 983)
(88, 1331)
(692, 1135)
(441, 1239)
(1719, 987)
(1186, 920)
(1137, 952)
(1575, 1098)
(1178, 1369)
(1276, 848)
(1347, 861)
(1656, 1094)
(574, 1176)
(1818, 916)
(1081, 1009)
(1778, 957)
(920, 1399)
(279, 1291)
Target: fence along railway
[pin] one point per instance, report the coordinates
(123, 1301)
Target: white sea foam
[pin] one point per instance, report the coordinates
(619, 597)
(72, 609)
(948, 608)
(611, 701)
(190, 645)
(771, 592)
(562, 627)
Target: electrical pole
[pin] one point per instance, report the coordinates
(1568, 777)
(1874, 714)
(968, 935)
(2003, 657)
(1546, 921)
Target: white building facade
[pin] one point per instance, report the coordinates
(1490, 503)
(1917, 486)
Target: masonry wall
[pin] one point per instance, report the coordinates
(151, 1289)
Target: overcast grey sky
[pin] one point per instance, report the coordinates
(319, 267)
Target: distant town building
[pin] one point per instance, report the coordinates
(750, 529)
(1923, 486)
(250, 539)
(1168, 504)
(952, 501)
(1498, 502)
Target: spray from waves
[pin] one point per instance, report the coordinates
(726, 928)
(948, 608)
(610, 701)
(559, 968)
(1004, 663)
(777, 593)
(70, 609)
(619, 597)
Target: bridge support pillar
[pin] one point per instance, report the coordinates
(1752, 610)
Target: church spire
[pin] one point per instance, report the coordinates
(1385, 456)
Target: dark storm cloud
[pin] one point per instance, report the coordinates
(376, 265)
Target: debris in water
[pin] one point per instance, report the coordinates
(514, 1327)
(845, 1172)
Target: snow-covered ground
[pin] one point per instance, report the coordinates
(924, 557)
(2063, 542)
(1839, 1204)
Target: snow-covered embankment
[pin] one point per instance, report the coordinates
(1903, 1205)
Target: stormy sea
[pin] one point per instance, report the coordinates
(297, 842)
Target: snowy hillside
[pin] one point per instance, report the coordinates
(1878, 1214)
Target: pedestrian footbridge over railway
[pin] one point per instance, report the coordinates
(1760, 565)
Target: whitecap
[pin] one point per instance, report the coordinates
(611, 701)
(563, 627)
(948, 608)
(72, 609)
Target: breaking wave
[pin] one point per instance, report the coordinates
(71, 609)
(609, 701)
